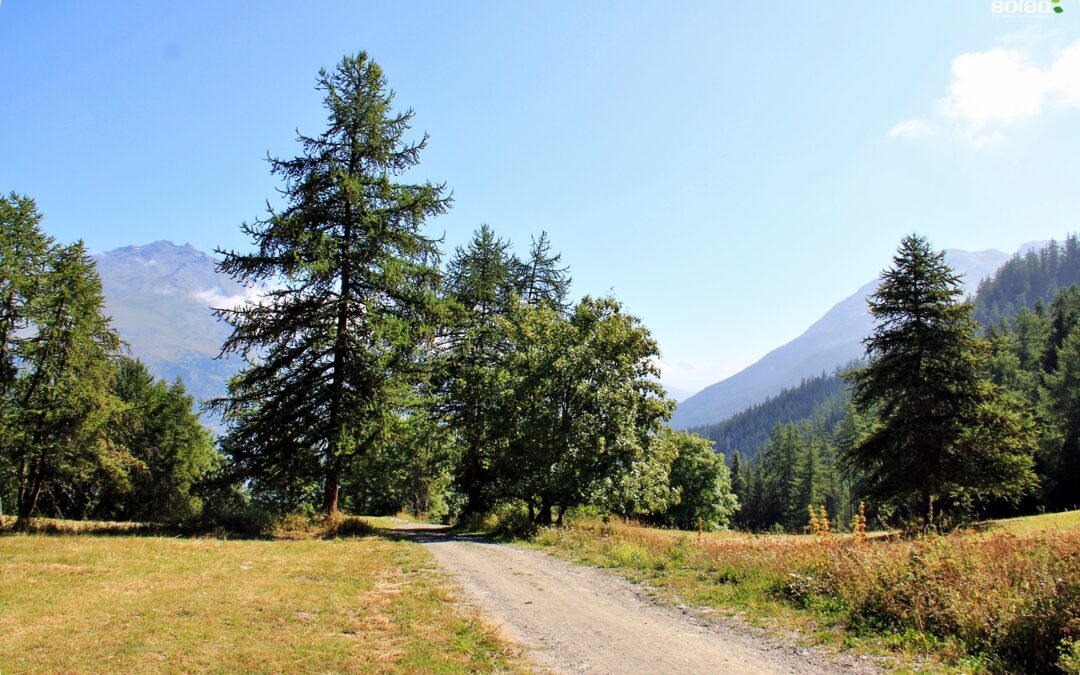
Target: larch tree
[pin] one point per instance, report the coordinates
(332, 346)
(480, 285)
(943, 430)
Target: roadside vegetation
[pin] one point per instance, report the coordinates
(305, 600)
(989, 600)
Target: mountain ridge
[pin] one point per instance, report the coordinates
(830, 342)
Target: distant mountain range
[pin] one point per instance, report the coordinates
(832, 341)
(159, 297)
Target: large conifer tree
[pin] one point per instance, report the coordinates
(353, 278)
(63, 391)
(943, 430)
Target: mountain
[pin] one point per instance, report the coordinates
(746, 432)
(675, 393)
(159, 297)
(833, 340)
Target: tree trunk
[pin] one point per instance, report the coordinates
(330, 491)
(544, 516)
(29, 504)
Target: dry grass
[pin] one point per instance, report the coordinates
(995, 601)
(138, 604)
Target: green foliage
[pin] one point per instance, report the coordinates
(481, 282)
(84, 433)
(58, 436)
(942, 430)
(332, 349)
(579, 402)
(410, 470)
(1028, 280)
(702, 483)
(171, 451)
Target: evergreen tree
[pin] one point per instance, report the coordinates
(540, 279)
(23, 263)
(777, 502)
(481, 283)
(63, 390)
(170, 449)
(740, 488)
(942, 428)
(332, 347)
(811, 477)
(1061, 428)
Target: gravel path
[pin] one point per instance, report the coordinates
(574, 619)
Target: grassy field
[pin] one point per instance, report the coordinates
(126, 603)
(992, 600)
(1046, 523)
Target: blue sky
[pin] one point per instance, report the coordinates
(729, 170)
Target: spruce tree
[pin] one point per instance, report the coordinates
(943, 430)
(332, 347)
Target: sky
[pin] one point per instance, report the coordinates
(729, 171)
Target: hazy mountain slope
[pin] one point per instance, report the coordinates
(833, 340)
(747, 431)
(159, 297)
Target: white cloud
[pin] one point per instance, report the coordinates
(216, 298)
(912, 127)
(996, 89)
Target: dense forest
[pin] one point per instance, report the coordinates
(1028, 279)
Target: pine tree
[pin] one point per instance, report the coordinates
(942, 429)
(332, 347)
(23, 261)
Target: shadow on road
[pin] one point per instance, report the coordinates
(423, 533)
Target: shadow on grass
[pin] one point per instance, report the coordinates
(338, 528)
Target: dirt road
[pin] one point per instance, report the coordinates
(579, 619)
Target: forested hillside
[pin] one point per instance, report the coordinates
(820, 397)
(1028, 278)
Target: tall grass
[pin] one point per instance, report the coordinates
(1008, 602)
